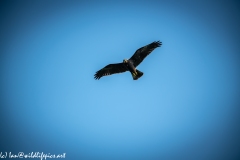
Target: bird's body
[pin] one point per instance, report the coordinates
(129, 65)
(131, 68)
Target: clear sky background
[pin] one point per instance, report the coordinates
(185, 106)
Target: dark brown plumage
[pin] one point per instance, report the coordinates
(110, 69)
(129, 65)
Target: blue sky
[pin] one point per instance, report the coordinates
(185, 106)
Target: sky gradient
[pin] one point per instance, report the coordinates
(185, 106)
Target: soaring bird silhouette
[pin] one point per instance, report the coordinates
(129, 64)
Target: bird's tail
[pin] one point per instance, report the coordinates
(136, 74)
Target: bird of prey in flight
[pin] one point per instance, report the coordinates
(129, 64)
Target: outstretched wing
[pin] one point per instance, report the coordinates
(110, 69)
(143, 52)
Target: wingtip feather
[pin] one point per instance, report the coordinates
(158, 43)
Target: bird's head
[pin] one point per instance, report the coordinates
(125, 61)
